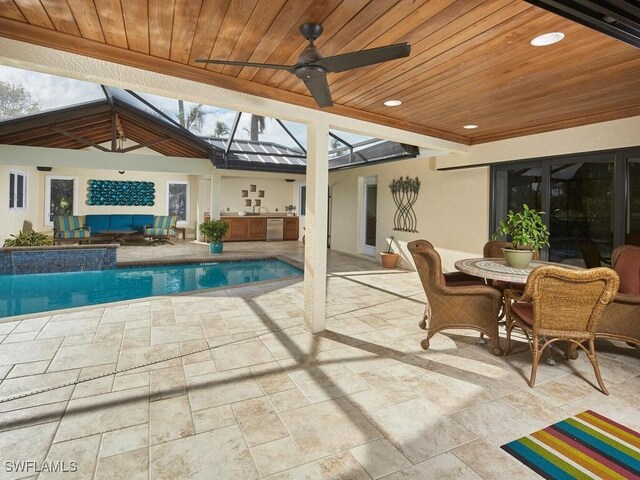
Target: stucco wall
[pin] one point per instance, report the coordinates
(453, 206)
(599, 136)
(452, 209)
(277, 193)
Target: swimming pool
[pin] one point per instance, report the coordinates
(21, 294)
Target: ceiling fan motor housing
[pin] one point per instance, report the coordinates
(311, 31)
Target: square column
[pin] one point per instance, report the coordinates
(216, 195)
(315, 253)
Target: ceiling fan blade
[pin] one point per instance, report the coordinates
(319, 88)
(247, 64)
(349, 61)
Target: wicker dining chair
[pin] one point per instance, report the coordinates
(621, 318)
(561, 304)
(454, 301)
(493, 249)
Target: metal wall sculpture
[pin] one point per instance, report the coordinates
(121, 193)
(405, 193)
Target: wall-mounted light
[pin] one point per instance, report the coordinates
(121, 172)
(289, 179)
(44, 169)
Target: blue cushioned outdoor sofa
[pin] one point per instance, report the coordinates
(101, 224)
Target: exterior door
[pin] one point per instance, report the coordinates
(60, 197)
(369, 215)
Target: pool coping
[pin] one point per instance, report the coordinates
(194, 260)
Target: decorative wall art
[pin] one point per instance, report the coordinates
(247, 202)
(405, 193)
(121, 193)
(245, 193)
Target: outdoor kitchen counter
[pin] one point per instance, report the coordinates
(254, 227)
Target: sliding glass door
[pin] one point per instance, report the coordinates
(632, 230)
(581, 212)
(591, 200)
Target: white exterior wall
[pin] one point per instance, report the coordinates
(12, 221)
(453, 206)
(277, 194)
(451, 209)
(599, 136)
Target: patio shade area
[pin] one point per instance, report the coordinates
(361, 400)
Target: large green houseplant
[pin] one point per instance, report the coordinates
(527, 232)
(213, 232)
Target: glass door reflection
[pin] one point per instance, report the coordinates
(581, 213)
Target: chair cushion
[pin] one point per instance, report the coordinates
(120, 222)
(163, 221)
(98, 223)
(74, 234)
(66, 222)
(159, 231)
(524, 310)
(628, 269)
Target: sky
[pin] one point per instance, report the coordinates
(53, 92)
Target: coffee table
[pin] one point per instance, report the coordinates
(118, 236)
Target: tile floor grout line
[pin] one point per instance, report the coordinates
(135, 367)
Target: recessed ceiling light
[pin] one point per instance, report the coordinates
(470, 127)
(393, 103)
(547, 39)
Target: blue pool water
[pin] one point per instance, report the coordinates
(20, 294)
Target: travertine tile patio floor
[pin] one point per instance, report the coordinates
(359, 401)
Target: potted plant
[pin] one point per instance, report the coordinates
(290, 209)
(389, 258)
(213, 232)
(527, 233)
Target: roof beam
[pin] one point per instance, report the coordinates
(80, 139)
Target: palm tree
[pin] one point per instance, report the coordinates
(194, 119)
(258, 123)
(221, 130)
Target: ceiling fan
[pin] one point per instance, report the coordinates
(312, 67)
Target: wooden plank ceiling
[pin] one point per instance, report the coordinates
(471, 61)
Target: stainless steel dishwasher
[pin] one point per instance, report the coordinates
(275, 229)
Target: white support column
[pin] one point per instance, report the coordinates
(216, 195)
(315, 254)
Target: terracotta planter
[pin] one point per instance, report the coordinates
(389, 260)
(517, 258)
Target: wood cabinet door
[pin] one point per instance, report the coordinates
(291, 228)
(238, 230)
(257, 229)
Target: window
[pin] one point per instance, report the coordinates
(17, 191)
(178, 200)
(61, 195)
(302, 200)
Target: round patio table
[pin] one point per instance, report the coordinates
(497, 269)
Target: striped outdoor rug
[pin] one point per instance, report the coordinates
(582, 447)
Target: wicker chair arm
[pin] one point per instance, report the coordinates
(511, 295)
(468, 290)
(627, 298)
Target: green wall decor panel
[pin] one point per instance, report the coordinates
(121, 193)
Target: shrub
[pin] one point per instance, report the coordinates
(28, 239)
